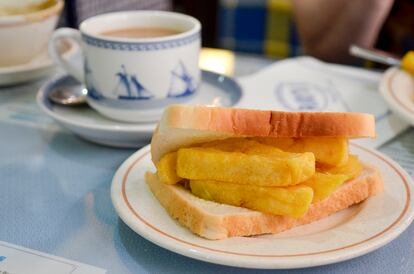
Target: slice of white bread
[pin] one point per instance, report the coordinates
(218, 221)
(182, 126)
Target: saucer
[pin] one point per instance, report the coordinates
(215, 89)
(397, 88)
(38, 67)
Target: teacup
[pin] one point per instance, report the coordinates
(24, 36)
(133, 78)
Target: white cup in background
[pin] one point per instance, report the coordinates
(133, 79)
(24, 36)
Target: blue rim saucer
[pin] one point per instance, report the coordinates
(215, 89)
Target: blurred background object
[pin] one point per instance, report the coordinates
(282, 28)
(327, 28)
(12, 7)
(262, 26)
(25, 27)
(217, 60)
(397, 34)
(78, 10)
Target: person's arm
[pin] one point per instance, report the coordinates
(328, 27)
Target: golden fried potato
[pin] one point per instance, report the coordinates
(167, 166)
(166, 169)
(351, 169)
(324, 184)
(331, 151)
(282, 143)
(273, 168)
(247, 146)
(327, 179)
(328, 150)
(291, 201)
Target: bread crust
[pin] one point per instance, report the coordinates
(268, 123)
(216, 221)
(183, 125)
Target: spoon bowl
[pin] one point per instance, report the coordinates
(69, 96)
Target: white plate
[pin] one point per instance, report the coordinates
(344, 235)
(40, 66)
(397, 88)
(87, 123)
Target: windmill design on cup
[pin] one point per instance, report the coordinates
(129, 88)
(181, 84)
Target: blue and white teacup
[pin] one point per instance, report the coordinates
(133, 79)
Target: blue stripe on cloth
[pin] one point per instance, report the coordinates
(226, 27)
(295, 48)
(250, 23)
(242, 27)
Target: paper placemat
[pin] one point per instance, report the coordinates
(306, 84)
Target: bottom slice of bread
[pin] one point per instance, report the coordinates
(218, 221)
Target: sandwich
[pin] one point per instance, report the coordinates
(225, 172)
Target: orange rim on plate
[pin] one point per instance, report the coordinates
(138, 216)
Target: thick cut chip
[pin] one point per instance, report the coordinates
(332, 151)
(167, 166)
(166, 169)
(282, 143)
(291, 201)
(247, 146)
(241, 168)
(327, 179)
(351, 169)
(324, 184)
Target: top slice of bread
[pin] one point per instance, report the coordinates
(183, 125)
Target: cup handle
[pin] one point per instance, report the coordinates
(73, 34)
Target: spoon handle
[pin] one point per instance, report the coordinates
(374, 55)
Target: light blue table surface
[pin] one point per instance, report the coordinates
(55, 198)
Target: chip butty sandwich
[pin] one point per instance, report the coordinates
(224, 172)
